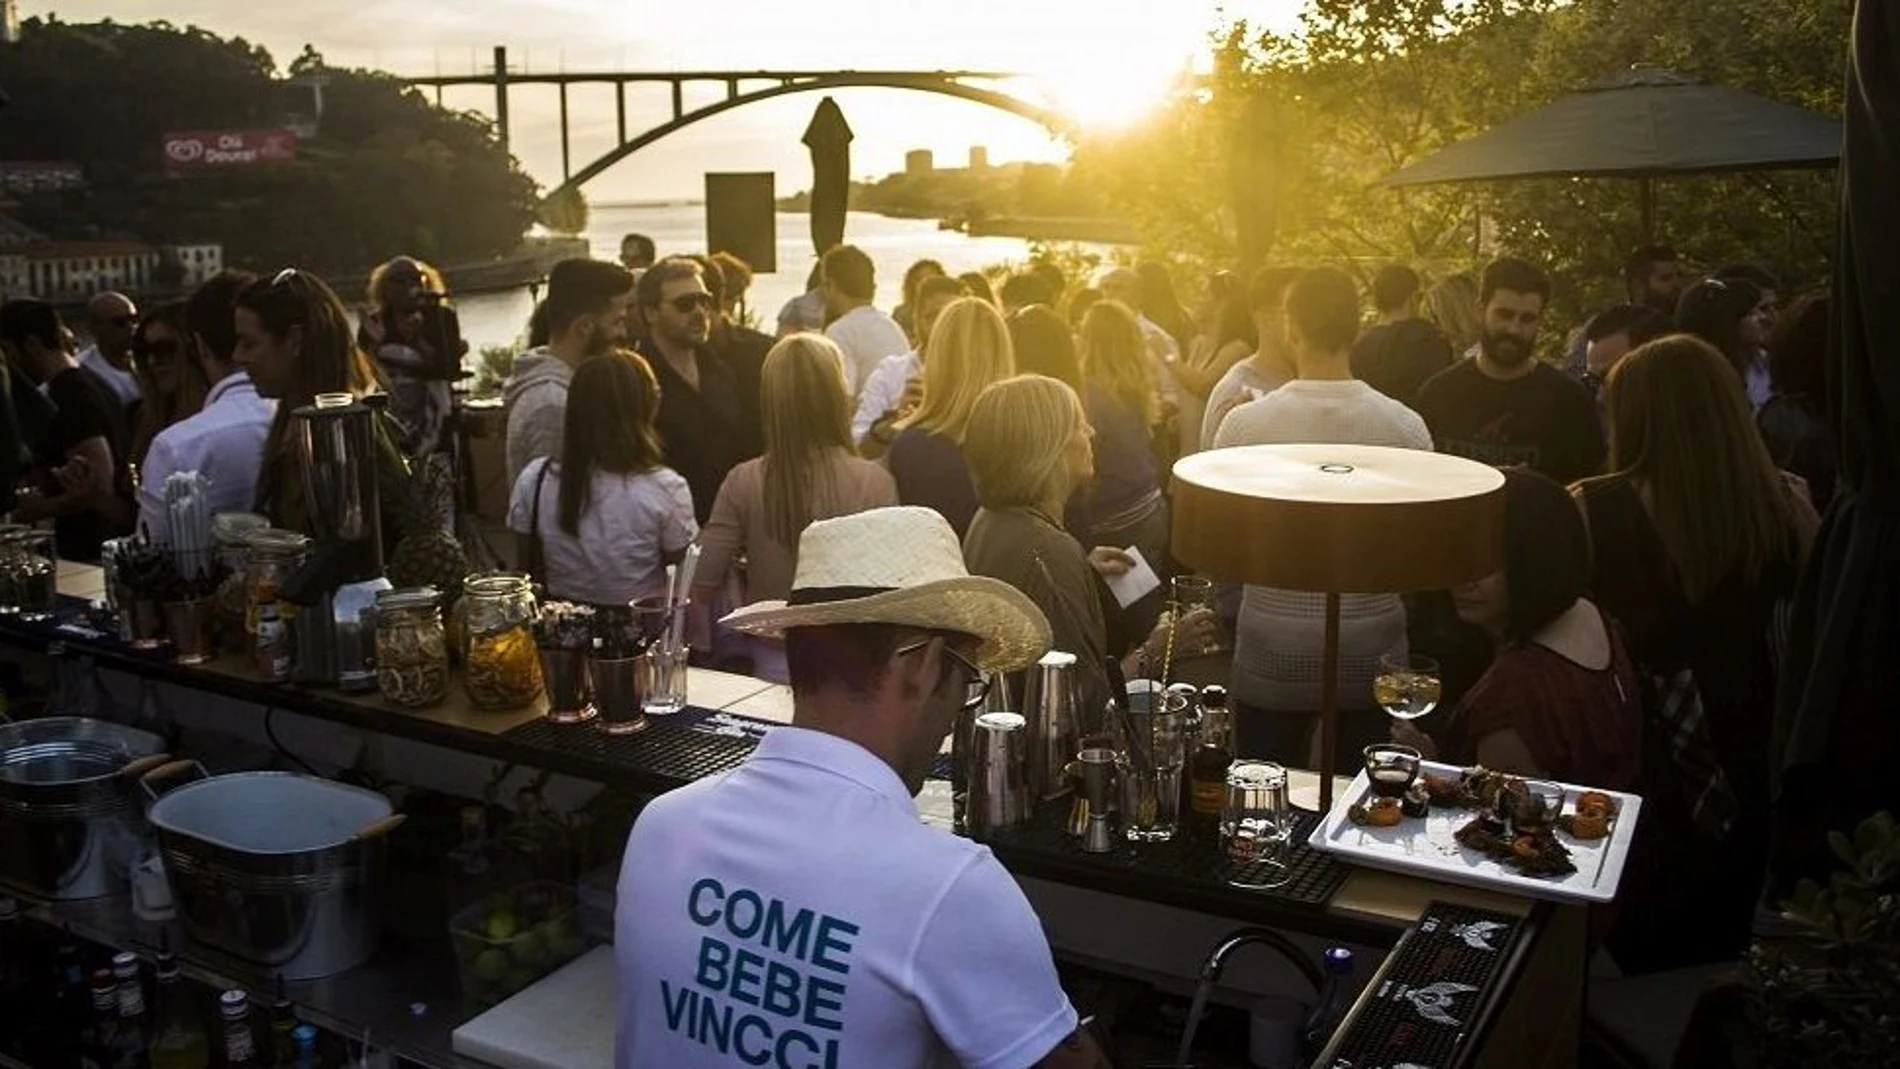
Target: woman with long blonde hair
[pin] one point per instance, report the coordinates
(969, 349)
(1029, 448)
(1452, 307)
(1122, 505)
(1697, 541)
(808, 473)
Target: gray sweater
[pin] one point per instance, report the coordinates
(536, 397)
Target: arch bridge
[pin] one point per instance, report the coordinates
(742, 88)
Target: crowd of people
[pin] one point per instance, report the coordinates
(1663, 480)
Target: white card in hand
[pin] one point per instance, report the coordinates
(1135, 583)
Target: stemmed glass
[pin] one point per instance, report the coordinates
(1407, 686)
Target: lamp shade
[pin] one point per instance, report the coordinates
(1343, 519)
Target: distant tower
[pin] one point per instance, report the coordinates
(979, 158)
(917, 161)
(9, 21)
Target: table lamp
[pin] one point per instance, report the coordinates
(1337, 519)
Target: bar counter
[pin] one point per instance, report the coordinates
(413, 1005)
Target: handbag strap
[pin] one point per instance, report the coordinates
(536, 562)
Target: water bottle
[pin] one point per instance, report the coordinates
(1335, 998)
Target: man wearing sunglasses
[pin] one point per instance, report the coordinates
(702, 419)
(796, 912)
(113, 320)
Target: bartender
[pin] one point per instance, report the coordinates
(796, 912)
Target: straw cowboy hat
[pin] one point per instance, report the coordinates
(900, 566)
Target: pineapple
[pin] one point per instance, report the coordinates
(428, 553)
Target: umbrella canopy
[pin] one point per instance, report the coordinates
(829, 139)
(1642, 123)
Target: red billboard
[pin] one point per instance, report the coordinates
(209, 150)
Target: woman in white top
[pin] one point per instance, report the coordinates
(608, 515)
(1278, 638)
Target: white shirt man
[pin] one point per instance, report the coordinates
(883, 389)
(795, 911)
(866, 336)
(224, 442)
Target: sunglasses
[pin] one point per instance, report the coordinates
(167, 347)
(123, 322)
(976, 690)
(688, 303)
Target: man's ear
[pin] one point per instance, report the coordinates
(917, 674)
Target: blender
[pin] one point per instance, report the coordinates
(337, 586)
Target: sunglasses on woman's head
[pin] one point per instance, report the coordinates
(688, 303)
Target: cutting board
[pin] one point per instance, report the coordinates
(566, 1021)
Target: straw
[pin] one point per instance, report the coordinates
(677, 620)
(672, 586)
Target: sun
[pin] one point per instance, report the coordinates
(1104, 94)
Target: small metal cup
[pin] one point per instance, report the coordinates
(999, 788)
(1098, 786)
(570, 690)
(617, 694)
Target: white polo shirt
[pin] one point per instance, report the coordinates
(867, 336)
(795, 913)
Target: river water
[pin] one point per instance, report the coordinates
(893, 244)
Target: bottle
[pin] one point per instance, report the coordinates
(98, 1047)
(304, 1036)
(1207, 767)
(272, 645)
(17, 975)
(128, 1041)
(65, 1012)
(283, 1021)
(178, 1036)
(240, 1046)
(1334, 1000)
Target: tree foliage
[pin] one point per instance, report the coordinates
(1293, 130)
(387, 172)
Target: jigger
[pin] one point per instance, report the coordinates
(1098, 786)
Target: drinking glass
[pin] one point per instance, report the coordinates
(663, 665)
(32, 573)
(1391, 768)
(1256, 825)
(1151, 772)
(1407, 686)
(1192, 593)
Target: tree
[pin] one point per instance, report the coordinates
(1293, 130)
(387, 172)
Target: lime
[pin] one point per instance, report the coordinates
(529, 949)
(492, 964)
(501, 925)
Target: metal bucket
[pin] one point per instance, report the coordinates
(69, 813)
(277, 868)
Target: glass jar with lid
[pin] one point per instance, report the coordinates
(275, 555)
(499, 665)
(412, 648)
(233, 531)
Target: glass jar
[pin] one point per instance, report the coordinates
(275, 556)
(500, 668)
(29, 570)
(233, 531)
(412, 649)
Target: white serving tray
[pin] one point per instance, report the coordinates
(1427, 847)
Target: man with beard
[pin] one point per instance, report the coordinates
(585, 314)
(702, 417)
(1505, 407)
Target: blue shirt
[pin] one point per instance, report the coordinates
(797, 913)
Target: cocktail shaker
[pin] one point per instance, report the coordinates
(1052, 703)
(1098, 788)
(962, 742)
(999, 792)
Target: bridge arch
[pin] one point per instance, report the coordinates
(1052, 120)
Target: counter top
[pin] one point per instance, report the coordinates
(1367, 903)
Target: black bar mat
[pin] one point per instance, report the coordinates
(1437, 983)
(665, 750)
(1311, 877)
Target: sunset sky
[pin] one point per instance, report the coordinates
(1099, 59)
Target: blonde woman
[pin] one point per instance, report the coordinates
(1452, 307)
(1029, 447)
(808, 473)
(1123, 505)
(969, 349)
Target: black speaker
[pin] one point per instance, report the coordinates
(741, 218)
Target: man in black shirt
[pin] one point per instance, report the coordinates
(1396, 355)
(78, 477)
(702, 419)
(1504, 406)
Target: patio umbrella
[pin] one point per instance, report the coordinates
(1643, 123)
(1838, 729)
(829, 139)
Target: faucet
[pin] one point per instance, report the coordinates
(1216, 961)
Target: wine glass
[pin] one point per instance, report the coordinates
(1407, 686)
